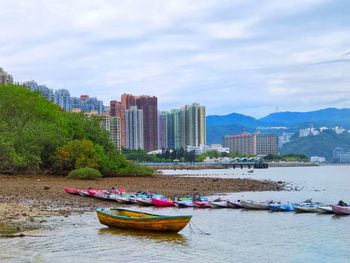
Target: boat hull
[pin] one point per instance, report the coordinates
(162, 203)
(135, 220)
(255, 205)
(341, 210)
(72, 191)
(324, 210)
(234, 204)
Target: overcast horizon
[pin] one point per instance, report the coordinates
(248, 57)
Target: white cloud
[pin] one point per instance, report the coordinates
(245, 56)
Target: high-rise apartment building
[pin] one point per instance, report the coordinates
(186, 127)
(45, 91)
(255, 144)
(162, 130)
(149, 106)
(194, 124)
(111, 124)
(5, 78)
(117, 110)
(134, 128)
(63, 99)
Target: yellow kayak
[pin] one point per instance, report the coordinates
(129, 219)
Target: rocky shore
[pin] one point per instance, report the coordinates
(25, 198)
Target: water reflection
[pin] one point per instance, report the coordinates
(172, 238)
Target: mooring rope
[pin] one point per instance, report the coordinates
(200, 231)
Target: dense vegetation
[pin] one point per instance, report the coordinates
(319, 145)
(36, 134)
(166, 156)
(286, 158)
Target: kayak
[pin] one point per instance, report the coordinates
(278, 207)
(256, 205)
(341, 210)
(324, 210)
(184, 204)
(162, 202)
(234, 204)
(218, 204)
(72, 191)
(201, 204)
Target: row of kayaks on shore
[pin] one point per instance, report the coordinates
(158, 200)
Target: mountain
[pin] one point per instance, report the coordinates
(219, 126)
(234, 123)
(325, 117)
(319, 145)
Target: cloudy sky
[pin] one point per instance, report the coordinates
(251, 57)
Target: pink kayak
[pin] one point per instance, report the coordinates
(341, 210)
(162, 202)
(72, 191)
(202, 204)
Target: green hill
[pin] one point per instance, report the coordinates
(36, 134)
(320, 145)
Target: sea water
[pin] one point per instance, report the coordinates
(216, 235)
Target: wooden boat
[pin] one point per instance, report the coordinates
(341, 210)
(129, 219)
(162, 202)
(256, 205)
(234, 204)
(324, 210)
(72, 191)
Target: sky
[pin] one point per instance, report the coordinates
(251, 57)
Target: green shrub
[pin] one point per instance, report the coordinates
(85, 173)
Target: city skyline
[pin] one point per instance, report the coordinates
(233, 56)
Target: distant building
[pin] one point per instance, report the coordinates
(5, 78)
(344, 157)
(63, 99)
(117, 110)
(111, 124)
(285, 138)
(317, 159)
(45, 91)
(186, 126)
(207, 148)
(162, 130)
(134, 128)
(339, 130)
(255, 144)
(149, 107)
(336, 154)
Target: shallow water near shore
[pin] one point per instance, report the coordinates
(235, 235)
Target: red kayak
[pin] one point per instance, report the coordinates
(162, 202)
(201, 204)
(72, 191)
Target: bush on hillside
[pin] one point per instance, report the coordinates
(85, 173)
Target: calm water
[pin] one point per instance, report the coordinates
(235, 235)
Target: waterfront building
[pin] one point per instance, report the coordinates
(44, 91)
(134, 124)
(162, 130)
(5, 78)
(344, 157)
(255, 144)
(63, 99)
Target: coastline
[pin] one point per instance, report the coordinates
(26, 199)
